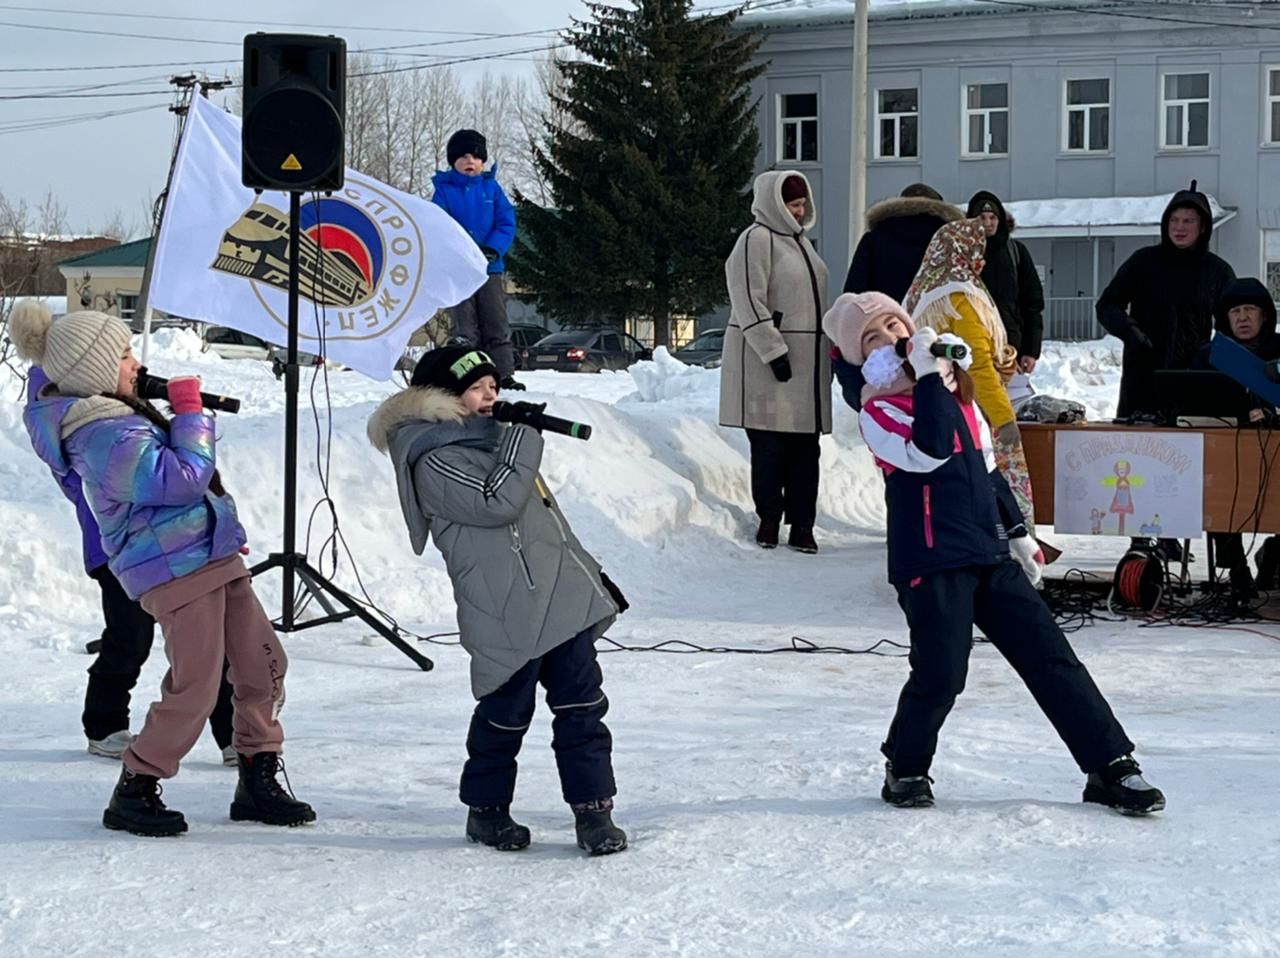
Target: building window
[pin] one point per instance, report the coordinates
(1088, 116)
(897, 123)
(1273, 105)
(1271, 261)
(799, 117)
(1185, 117)
(127, 305)
(986, 115)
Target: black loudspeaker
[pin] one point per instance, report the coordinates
(295, 110)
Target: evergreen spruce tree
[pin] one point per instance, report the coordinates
(649, 168)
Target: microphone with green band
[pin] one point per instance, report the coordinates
(532, 414)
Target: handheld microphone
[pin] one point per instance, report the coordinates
(531, 414)
(153, 387)
(953, 351)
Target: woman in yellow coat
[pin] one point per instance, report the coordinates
(948, 295)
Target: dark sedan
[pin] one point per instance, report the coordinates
(705, 350)
(524, 335)
(585, 351)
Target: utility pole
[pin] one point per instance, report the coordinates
(858, 153)
(183, 86)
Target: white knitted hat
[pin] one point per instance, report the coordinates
(80, 352)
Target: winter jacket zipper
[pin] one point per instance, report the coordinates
(928, 518)
(518, 548)
(568, 546)
(818, 384)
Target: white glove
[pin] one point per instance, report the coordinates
(922, 361)
(1026, 552)
(951, 339)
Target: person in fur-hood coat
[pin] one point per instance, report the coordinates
(898, 232)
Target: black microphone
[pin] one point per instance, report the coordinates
(953, 351)
(531, 414)
(153, 387)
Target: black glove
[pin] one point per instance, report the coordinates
(490, 253)
(528, 413)
(781, 369)
(615, 593)
(1140, 340)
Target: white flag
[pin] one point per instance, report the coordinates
(374, 263)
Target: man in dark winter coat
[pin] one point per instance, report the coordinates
(889, 255)
(1011, 279)
(1161, 301)
(898, 233)
(1247, 315)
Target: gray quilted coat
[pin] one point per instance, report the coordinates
(522, 581)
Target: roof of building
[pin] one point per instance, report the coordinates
(778, 13)
(1066, 217)
(124, 256)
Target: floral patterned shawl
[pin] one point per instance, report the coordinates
(952, 264)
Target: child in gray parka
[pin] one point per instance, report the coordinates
(531, 601)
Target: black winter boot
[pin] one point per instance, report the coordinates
(1121, 786)
(136, 807)
(260, 798)
(510, 382)
(767, 534)
(1268, 561)
(597, 835)
(801, 540)
(911, 791)
(493, 825)
(1242, 584)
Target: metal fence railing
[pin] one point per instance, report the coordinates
(1070, 318)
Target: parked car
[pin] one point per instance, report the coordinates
(704, 350)
(585, 351)
(524, 335)
(234, 344)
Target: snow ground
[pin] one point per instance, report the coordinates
(748, 783)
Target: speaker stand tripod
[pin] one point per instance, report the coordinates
(296, 569)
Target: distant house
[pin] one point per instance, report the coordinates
(28, 261)
(1087, 115)
(108, 280)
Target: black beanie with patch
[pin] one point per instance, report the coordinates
(453, 369)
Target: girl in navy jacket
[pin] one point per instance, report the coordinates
(952, 522)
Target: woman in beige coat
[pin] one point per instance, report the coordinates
(775, 380)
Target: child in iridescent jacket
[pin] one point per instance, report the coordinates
(173, 541)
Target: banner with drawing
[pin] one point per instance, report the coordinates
(1123, 483)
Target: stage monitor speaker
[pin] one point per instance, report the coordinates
(295, 104)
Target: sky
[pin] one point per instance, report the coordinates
(98, 164)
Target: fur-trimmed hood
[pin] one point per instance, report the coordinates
(412, 424)
(429, 404)
(897, 207)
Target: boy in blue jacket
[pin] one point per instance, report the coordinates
(471, 195)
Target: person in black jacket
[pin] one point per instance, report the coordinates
(898, 233)
(1247, 315)
(888, 257)
(1011, 279)
(1161, 302)
(952, 525)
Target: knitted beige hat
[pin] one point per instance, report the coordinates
(80, 352)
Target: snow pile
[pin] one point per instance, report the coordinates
(668, 378)
(1088, 372)
(178, 344)
(748, 783)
